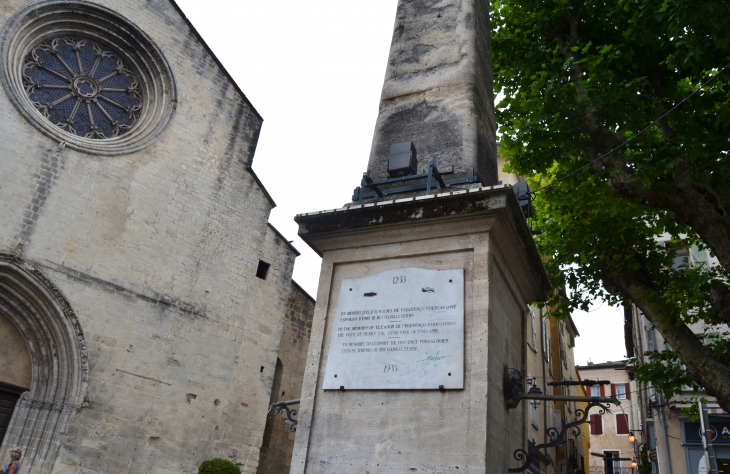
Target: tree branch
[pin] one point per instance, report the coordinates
(701, 366)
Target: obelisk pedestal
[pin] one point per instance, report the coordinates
(420, 424)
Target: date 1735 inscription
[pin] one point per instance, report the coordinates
(400, 329)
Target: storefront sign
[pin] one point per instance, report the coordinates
(719, 430)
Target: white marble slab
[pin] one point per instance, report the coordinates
(399, 329)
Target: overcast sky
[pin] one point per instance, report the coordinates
(314, 71)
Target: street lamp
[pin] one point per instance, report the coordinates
(632, 438)
(634, 463)
(534, 390)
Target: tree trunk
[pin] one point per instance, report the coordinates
(701, 366)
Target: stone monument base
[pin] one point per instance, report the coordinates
(481, 232)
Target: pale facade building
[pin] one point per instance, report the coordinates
(550, 359)
(143, 293)
(674, 437)
(611, 450)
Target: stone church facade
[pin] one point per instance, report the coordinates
(145, 301)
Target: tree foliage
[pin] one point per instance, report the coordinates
(580, 79)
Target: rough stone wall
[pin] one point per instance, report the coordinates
(505, 428)
(15, 366)
(278, 438)
(157, 252)
(438, 89)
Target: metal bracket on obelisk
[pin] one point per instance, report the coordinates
(379, 189)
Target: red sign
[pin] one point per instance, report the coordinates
(652, 455)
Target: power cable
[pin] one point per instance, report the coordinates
(702, 86)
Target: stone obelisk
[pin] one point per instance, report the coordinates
(438, 89)
(422, 301)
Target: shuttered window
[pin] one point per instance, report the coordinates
(596, 425)
(622, 424)
(621, 391)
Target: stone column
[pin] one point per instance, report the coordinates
(438, 90)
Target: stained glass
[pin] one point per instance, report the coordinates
(82, 87)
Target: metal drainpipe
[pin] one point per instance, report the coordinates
(544, 377)
(636, 336)
(662, 421)
(563, 418)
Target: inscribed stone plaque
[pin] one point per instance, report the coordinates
(399, 329)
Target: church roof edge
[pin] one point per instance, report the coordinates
(215, 58)
(261, 185)
(305, 292)
(281, 236)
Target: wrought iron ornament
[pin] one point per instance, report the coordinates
(558, 437)
(290, 414)
(82, 87)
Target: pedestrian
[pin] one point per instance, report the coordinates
(14, 466)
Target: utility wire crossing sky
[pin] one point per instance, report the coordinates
(314, 71)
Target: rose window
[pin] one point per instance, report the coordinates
(82, 87)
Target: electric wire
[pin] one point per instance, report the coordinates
(625, 143)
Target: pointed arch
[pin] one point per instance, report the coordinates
(59, 362)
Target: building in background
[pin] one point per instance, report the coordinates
(146, 303)
(610, 431)
(673, 435)
(675, 438)
(550, 359)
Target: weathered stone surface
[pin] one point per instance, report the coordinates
(385, 431)
(336, 224)
(15, 368)
(278, 442)
(157, 252)
(438, 90)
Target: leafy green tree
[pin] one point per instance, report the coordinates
(580, 79)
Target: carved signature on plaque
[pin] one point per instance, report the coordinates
(434, 358)
(371, 293)
(428, 290)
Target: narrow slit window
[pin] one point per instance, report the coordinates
(262, 270)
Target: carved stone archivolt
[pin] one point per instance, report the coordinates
(59, 362)
(85, 75)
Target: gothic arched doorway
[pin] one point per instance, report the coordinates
(58, 363)
(15, 371)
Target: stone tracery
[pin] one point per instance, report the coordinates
(82, 87)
